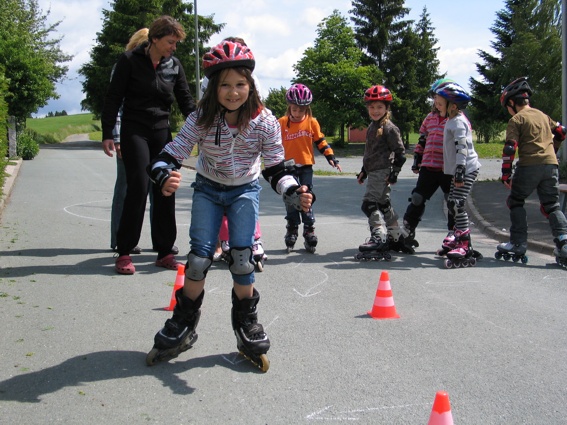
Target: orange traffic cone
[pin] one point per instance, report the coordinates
(179, 281)
(384, 307)
(441, 412)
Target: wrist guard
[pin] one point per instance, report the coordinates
(160, 172)
(417, 158)
(331, 160)
(460, 174)
(293, 199)
(393, 177)
(362, 175)
(508, 155)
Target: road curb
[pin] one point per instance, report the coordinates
(495, 233)
(11, 170)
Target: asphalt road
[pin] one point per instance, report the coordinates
(75, 334)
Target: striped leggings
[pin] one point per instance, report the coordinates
(457, 199)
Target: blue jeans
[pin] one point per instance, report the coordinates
(544, 179)
(211, 201)
(304, 175)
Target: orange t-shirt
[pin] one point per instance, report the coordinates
(298, 139)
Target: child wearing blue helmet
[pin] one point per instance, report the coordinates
(460, 160)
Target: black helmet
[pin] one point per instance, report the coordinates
(517, 88)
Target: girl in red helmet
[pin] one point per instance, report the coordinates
(383, 141)
(233, 132)
(300, 132)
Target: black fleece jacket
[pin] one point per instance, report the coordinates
(146, 93)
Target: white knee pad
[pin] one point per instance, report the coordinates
(197, 266)
(241, 261)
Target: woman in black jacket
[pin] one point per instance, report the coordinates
(146, 81)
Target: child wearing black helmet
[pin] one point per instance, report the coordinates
(384, 155)
(537, 138)
(233, 131)
(460, 161)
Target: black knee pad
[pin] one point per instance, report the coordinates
(417, 198)
(241, 262)
(196, 267)
(547, 209)
(368, 207)
(385, 208)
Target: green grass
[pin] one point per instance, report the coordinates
(61, 127)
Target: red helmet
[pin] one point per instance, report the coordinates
(380, 93)
(227, 54)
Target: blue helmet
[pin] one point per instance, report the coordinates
(454, 93)
(439, 83)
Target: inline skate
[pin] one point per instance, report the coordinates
(462, 255)
(259, 255)
(178, 334)
(449, 243)
(509, 250)
(398, 240)
(410, 243)
(560, 251)
(291, 236)
(375, 248)
(251, 340)
(310, 239)
(225, 254)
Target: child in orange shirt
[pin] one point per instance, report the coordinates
(300, 131)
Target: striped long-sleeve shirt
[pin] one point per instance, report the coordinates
(236, 159)
(432, 127)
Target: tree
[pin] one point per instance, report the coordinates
(377, 26)
(334, 72)
(275, 101)
(405, 53)
(32, 58)
(126, 17)
(527, 43)
(412, 66)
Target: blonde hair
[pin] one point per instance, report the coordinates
(137, 38)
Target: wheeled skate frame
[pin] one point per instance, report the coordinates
(373, 255)
(456, 262)
(443, 253)
(259, 360)
(157, 355)
(561, 261)
(259, 262)
(523, 258)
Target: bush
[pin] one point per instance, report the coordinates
(27, 145)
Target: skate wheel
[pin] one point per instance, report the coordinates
(498, 255)
(265, 363)
(524, 260)
(387, 256)
(260, 266)
(151, 358)
(289, 249)
(506, 256)
(448, 264)
(472, 262)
